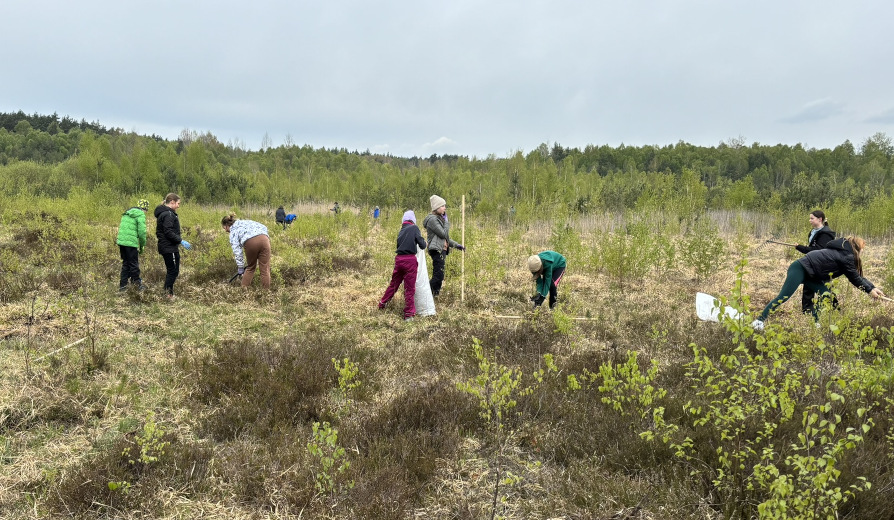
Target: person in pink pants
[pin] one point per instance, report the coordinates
(405, 265)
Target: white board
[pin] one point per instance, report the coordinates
(708, 308)
(425, 302)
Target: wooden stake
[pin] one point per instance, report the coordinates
(61, 349)
(462, 275)
(523, 317)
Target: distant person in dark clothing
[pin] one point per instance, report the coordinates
(167, 231)
(405, 265)
(281, 216)
(336, 208)
(819, 237)
(813, 270)
(131, 240)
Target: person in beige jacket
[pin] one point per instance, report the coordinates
(437, 228)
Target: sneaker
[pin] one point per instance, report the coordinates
(408, 318)
(757, 325)
(122, 289)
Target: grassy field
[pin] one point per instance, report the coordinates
(308, 402)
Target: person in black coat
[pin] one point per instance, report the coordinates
(281, 216)
(839, 257)
(820, 235)
(167, 231)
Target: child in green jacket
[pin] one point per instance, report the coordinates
(547, 268)
(131, 241)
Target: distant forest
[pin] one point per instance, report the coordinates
(49, 156)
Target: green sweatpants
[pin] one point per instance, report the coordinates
(796, 277)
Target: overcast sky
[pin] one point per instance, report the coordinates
(458, 77)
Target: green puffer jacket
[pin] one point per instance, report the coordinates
(132, 231)
(551, 261)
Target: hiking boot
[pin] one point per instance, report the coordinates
(757, 325)
(122, 289)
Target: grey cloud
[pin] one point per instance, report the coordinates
(491, 77)
(886, 117)
(815, 111)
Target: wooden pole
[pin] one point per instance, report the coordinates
(462, 276)
(62, 348)
(524, 317)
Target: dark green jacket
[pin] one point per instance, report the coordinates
(551, 261)
(132, 230)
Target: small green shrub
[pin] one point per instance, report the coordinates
(703, 249)
(331, 462)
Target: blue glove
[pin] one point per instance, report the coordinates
(186, 245)
(241, 270)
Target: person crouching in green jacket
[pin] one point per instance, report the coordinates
(547, 268)
(131, 241)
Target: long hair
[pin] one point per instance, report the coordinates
(818, 213)
(857, 244)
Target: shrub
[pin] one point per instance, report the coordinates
(287, 376)
(111, 479)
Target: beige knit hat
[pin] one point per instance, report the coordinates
(535, 265)
(436, 202)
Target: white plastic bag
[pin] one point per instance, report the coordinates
(708, 308)
(425, 302)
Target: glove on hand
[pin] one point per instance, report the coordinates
(186, 245)
(461, 247)
(538, 300)
(140, 251)
(241, 270)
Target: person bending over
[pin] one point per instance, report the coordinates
(547, 268)
(251, 236)
(840, 257)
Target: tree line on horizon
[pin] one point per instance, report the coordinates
(49, 156)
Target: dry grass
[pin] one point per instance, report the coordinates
(236, 378)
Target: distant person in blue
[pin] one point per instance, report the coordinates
(290, 218)
(376, 213)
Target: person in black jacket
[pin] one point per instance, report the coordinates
(167, 231)
(820, 235)
(405, 265)
(281, 216)
(839, 257)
